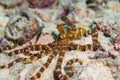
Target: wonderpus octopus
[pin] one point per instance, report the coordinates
(57, 48)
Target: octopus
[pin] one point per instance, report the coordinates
(59, 47)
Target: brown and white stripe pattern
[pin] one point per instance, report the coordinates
(93, 47)
(96, 45)
(69, 66)
(26, 51)
(61, 46)
(42, 69)
(58, 71)
(2, 49)
(95, 39)
(85, 47)
(73, 46)
(69, 72)
(11, 63)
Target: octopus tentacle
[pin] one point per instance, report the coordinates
(11, 63)
(58, 68)
(96, 44)
(85, 47)
(69, 71)
(25, 51)
(95, 39)
(7, 48)
(41, 70)
(52, 49)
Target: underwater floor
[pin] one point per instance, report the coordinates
(59, 40)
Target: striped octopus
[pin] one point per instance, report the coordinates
(57, 47)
